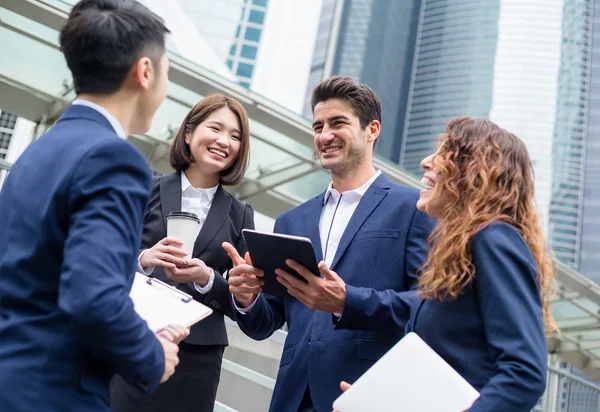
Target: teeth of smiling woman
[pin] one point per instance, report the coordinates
(218, 152)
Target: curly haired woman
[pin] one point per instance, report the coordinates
(486, 287)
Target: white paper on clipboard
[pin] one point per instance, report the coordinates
(160, 304)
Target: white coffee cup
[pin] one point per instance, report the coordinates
(183, 226)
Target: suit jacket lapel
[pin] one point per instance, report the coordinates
(366, 206)
(170, 195)
(313, 216)
(219, 210)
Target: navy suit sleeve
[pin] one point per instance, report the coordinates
(511, 310)
(369, 309)
(267, 315)
(107, 198)
(220, 290)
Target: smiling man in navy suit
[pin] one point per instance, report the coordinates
(365, 228)
(71, 215)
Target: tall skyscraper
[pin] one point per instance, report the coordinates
(454, 71)
(589, 253)
(373, 42)
(568, 149)
(497, 59)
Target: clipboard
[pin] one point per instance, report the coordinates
(410, 377)
(160, 304)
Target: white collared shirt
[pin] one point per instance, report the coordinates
(199, 202)
(335, 216)
(111, 119)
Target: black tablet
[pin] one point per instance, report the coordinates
(269, 251)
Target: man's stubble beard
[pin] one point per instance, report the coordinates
(347, 166)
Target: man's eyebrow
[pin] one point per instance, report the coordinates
(330, 120)
(339, 117)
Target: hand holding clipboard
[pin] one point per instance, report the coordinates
(161, 305)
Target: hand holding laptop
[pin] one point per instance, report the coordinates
(410, 377)
(344, 386)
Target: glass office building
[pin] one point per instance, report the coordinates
(568, 157)
(373, 42)
(453, 74)
(589, 248)
(233, 29)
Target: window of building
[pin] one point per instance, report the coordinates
(261, 3)
(249, 52)
(252, 34)
(256, 17)
(245, 69)
(7, 120)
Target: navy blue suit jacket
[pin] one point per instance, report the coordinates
(71, 214)
(378, 257)
(493, 334)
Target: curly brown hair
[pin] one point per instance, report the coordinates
(486, 176)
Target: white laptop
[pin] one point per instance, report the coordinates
(410, 377)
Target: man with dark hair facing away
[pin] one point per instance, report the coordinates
(71, 213)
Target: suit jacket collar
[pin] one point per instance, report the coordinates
(78, 112)
(374, 195)
(371, 199)
(170, 197)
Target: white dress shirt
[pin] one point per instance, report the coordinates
(111, 119)
(197, 201)
(337, 211)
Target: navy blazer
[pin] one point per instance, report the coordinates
(225, 221)
(71, 214)
(379, 254)
(493, 334)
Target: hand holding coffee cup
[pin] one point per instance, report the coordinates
(167, 254)
(184, 226)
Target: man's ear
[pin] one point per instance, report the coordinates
(143, 72)
(373, 130)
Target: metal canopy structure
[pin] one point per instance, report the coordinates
(284, 170)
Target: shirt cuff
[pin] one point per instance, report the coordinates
(146, 271)
(244, 311)
(204, 290)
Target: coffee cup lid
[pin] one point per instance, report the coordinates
(186, 215)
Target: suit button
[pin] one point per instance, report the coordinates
(309, 341)
(215, 304)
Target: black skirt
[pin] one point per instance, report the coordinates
(192, 388)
